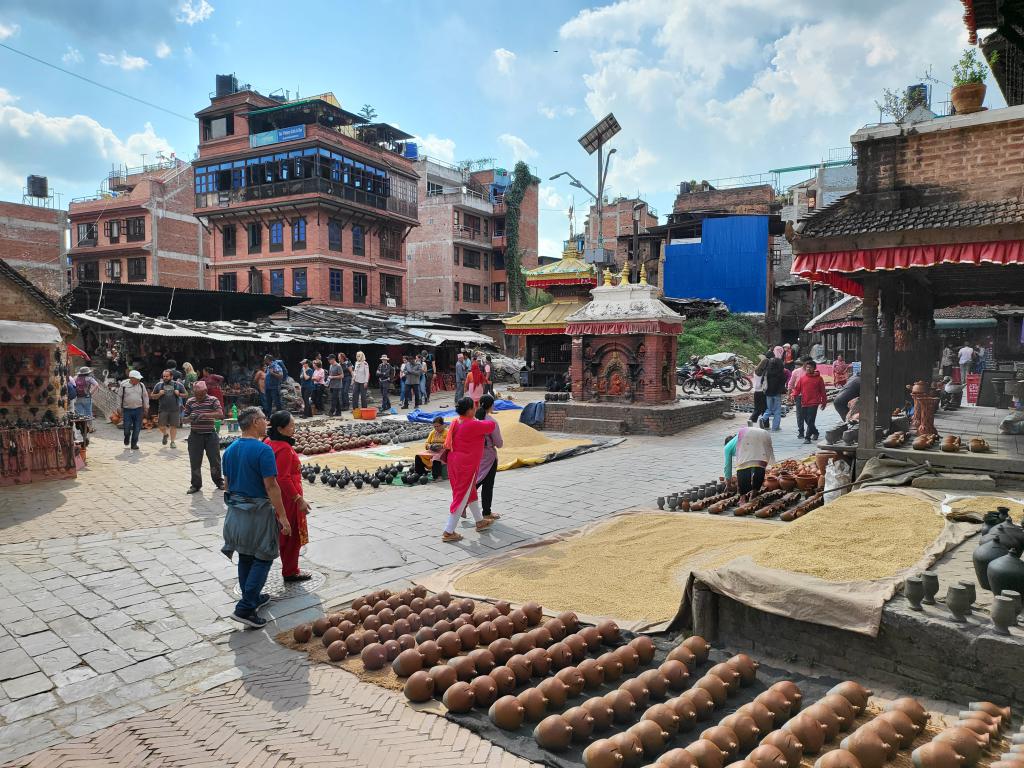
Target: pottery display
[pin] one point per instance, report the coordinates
(950, 444)
(868, 747)
(602, 754)
(977, 445)
(809, 731)
(506, 713)
(931, 586)
(1006, 572)
(895, 440)
(787, 743)
(553, 733)
(937, 754)
(924, 442)
(965, 741)
(912, 708)
(827, 716)
(913, 590)
(838, 758)
(706, 753)
(651, 735)
(905, 728)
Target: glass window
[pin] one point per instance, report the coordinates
(227, 281)
(390, 291)
(470, 258)
(358, 246)
(498, 291)
(471, 293)
(136, 228)
(255, 280)
(299, 233)
(137, 269)
(112, 229)
(218, 127)
(455, 254)
(487, 259)
(277, 282)
(228, 239)
(114, 270)
(334, 234)
(299, 282)
(89, 271)
(334, 280)
(276, 236)
(255, 230)
(86, 234)
(456, 291)
(360, 287)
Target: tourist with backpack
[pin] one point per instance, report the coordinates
(274, 374)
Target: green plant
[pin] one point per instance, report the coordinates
(522, 179)
(898, 104)
(538, 298)
(971, 69)
(733, 333)
(368, 112)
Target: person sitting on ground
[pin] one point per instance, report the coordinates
(427, 461)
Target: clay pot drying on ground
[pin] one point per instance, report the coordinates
(555, 628)
(728, 674)
(504, 679)
(842, 708)
(767, 756)
(419, 687)
(592, 672)
(302, 633)
(905, 728)
(924, 442)
(502, 650)
(450, 644)
(788, 744)
(503, 626)
(602, 754)
(629, 747)
(698, 646)
(651, 735)
(570, 620)
(1006, 573)
(912, 707)
(760, 714)
(555, 691)
(868, 747)
(644, 647)
(886, 732)
(534, 613)
(622, 704)
(609, 632)
(468, 636)
(838, 758)
(715, 686)
(993, 709)
(487, 633)
(392, 648)
(629, 658)
(485, 691)
(561, 656)
(577, 646)
(791, 691)
(540, 660)
(965, 741)
(746, 667)
(581, 722)
(590, 636)
(855, 693)
(809, 731)
(777, 703)
(977, 445)
(374, 656)
(676, 674)
(541, 637)
(995, 724)
(611, 665)
(706, 753)
(598, 709)
(685, 711)
(321, 625)
(519, 620)
(678, 758)
(638, 690)
(572, 679)
(656, 683)
(337, 650)
(745, 728)
(827, 716)
(534, 704)
(724, 738)
(464, 668)
(937, 754)
(458, 699)
(444, 677)
(771, 483)
(665, 716)
(522, 643)
(521, 668)
(702, 702)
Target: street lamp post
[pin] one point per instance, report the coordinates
(634, 276)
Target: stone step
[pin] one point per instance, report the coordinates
(579, 425)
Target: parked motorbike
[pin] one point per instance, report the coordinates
(703, 379)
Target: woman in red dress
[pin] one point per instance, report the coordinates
(465, 446)
(289, 477)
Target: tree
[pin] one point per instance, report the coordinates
(368, 112)
(521, 181)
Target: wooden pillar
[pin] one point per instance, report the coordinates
(869, 364)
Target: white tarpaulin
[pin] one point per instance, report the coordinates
(19, 332)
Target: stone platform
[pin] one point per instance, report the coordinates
(624, 419)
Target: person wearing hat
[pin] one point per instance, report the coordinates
(170, 394)
(134, 399)
(85, 387)
(307, 387)
(384, 375)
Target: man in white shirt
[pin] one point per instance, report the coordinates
(966, 358)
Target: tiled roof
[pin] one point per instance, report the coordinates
(845, 310)
(839, 220)
(849, 311)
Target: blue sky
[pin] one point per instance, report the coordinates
(702, 90)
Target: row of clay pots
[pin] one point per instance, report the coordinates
(975, 733)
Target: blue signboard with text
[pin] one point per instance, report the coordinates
(291, 133)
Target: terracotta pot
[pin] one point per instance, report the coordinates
(507, 713)
(791, 691)
(838, 758)
(912, 707)
(822, 458)
(827, 716)
(965, 741)
(581, 722)
(553, 733)
(665, 716)
(978, 445)
(767, 756)
(706, 753)
(895, 440)
(937, 754)
(806, 482)
(602, 754)
(809, 731)
(968, 98)
(599, 710)
(771, 483)
(787, 743)
(868, 747)
(787, 482)
(680, 758)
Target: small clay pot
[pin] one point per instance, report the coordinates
(724, 738)
(629, 658)
(777, 703)
(629, 747)
(483, 659)
(560, 654)
(843, 708)
(581, 722)
(838, 758)
(678, 758)
(555, 691)
(487, 632)
(622, 705)
(504, 626)
(321, 625)
(638, 690)
(901, 723)
(591, 637)
(746, 666)
(609, 632)
(375, 657)
(683, 654)
(788, 744)
(521, 668)
(523, 642)
(519, 620)
(656, 683)
(599, 710)
(569, 620)
(651, 735)
(603, 754)
(430, 651)
(728, 675)
(464, 668)
(577, 645)
(534, 704)
(664, 716)
(444, 677)
(825, 715)
(611, 665)
(698, 646)
(449, 644)
(760, 714)
(644, 647)
(540, 660)
(744, 727)
(555, 628)
(458, 699)
(868, 747)
(853, 692)
(419, 687)
(676, 674)
(573, 680)
(485, 691)
(406, 662)
(684, 711)
(504, 680)
(592, 672)
(912, 707)
(541, 637)
(502, 650)
(702, 702)
(706, 753)
(809, 731)
(965, 741)
(937, 754)
(767, 756)
(993, 709)
(468, 636)
(337, 650)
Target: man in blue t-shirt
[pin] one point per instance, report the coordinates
(256, 513)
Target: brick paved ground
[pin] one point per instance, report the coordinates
(113, 593)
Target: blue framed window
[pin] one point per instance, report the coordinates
(277, 282)
(358, 246)
(334, 284)
(276, 236)
(298, 233)
(299, 282)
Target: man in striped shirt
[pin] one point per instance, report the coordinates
(201, 411)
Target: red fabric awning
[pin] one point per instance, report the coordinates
(834, 268)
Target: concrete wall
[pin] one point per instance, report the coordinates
(32, 240)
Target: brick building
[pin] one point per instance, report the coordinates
(755, 199)
(140, 229)
(616, 230)
(457, 255)
(33, 240)
(304, 198)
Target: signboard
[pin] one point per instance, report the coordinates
(291, 133)
(973, 387)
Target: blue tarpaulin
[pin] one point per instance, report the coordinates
(728, 263)
(425, 417)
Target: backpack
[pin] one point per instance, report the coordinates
(284, 368)
(72, 389)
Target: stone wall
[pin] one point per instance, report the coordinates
(32, 240)
(615, 418)
(742, 200)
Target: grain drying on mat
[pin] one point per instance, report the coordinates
(632, 568)
(982, 504)
(857, 537)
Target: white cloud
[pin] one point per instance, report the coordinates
(6, 97)
(125, 61)
(552, 112)
(548, 246)
(76, 152)
(436, 147)
(163, 50)
(518, 148)
(193, 11)
(8, 30)
(72, 56)
(503, 60)
(549, 198)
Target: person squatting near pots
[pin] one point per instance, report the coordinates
(465, 447)
(811, 390)
(255, 514)
(134, 400)
(489, 460)
(428, 460)
(281, 439)
(202, 411)
(752, 451)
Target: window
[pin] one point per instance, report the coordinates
(390, 291)
(255, 230)
(334, 284)
(434, 189)
(470, 258)
(137, 270)
(455, 216)
(498, 291)
(136, 229)
(276, 236)
(114, 270)
(334, 234)
(486, 226)
(487, 298)
(360, 287)
(299, 234)
(472, 223)
(277, 282)
(86, 234)
(357, 240)
(456, 292)
(227, 281)
(487, 260)
(218, 127)
(88, 272)
(255, 280)
(499, 260)
(299, 282)
(390, 245)
(455, 254)
(471, 293)
(112, 229)
(228, 237)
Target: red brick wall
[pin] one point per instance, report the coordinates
(742, 200)
(31, 240)
(616, 220)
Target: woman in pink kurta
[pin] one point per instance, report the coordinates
(465, 445)
(475, 383)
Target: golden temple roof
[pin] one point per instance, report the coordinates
(550, 317)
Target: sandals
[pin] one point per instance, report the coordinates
(451, 538)
(492, 516)
(484, 524)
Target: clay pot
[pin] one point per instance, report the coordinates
(603, 754)
(449, 644)
(665, 716)
(458, 699)
(346, 628)
(541, 637)
(678, 758)
(523, 642)
(771, 483)
(684, 711)
(555, 691)
(886, 732)
(638, 690)
(519, 620)
(560, 654)
(487, 633)
(791, 691)
(581, 722)
(656, 683)
(592, 672)
(553, 733)
(321, 625)
(809, 731)
(683, 654)
(444, 677)
(419, 687)
(483, 659)
(504, 679)
(855, 693)
(923, 442)
(698, 646)
(372, 623)
(868, 747)
(598, 709)
(905, 728)
(609, 632)
(1004, 573)
(777, 704)
(577, 646)
(838, 758)
(788, 744)
(392, 648)
(629, 658)
(746, 666)
(676, 674)
(706, 753)
(651, 735)
(464, 668)
(430, 651)
(556, 629)
(443, 625)
(591, 637)
(827, 716)
(629, 747)
(337, 651)
(406, 662)
(502, 650)
(745, 728)
(374, 656)
(937, 754)
(504, 626)
(534, 704)
(993, 709)
(468, 636)
(842, 708)
(369, 637)
(977, 445)
(912, 707)
(994, 723)
(521, 668)
(540, 661)
(965, 741)
(728, 675)
(385, 633)
(611, 665)
(716, 687)
(724, 738)
(572, 679)
(978, 726)
(767, 756)
(644, 647)
(622, 705)
(701, 700)
(760, 714)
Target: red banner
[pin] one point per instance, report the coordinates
(973, 387)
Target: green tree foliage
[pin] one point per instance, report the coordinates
(538, 298)
(521, 181)
(368, 112)
(732, 333)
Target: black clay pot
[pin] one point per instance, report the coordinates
(1006, 572)
(992, 519)
(984, 554)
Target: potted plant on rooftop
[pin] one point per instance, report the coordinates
(969, 82)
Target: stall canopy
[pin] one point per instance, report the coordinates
(20, 332)
(401, 329)
(191, 303)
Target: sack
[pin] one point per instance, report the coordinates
(837, 474)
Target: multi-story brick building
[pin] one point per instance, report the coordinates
(33, 240)
(304, 198)
(756, 199)
(616, 229)
(140, 229)
(457, 255)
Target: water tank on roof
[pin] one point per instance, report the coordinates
(412, 151)
(226, 85)
(38, 186)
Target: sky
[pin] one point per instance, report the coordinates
(702, 90)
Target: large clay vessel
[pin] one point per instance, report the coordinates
(937, 754)
(984, 554)
(853, 692)
(809, 731)
(787, 743)
(868, 747)
(1006, 572)
(838, 758)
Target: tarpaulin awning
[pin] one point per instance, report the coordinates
(20, 332)
(966, 322)
(440, 335)
(834, 268)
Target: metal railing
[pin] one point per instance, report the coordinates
(462, 232)
(305, 186)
